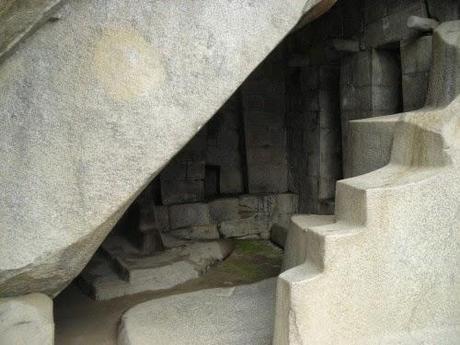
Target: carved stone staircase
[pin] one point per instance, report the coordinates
(386, 268)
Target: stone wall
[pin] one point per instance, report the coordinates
(225, 146)
(287, 128)
(243, 216)
(314, 138)
(415, 64)
(385, 22)
(263, 100)
(370, 84)
(313, 112)
(226, 182)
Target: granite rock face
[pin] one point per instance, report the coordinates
(26, 320)
(97, 102)
(19, 18)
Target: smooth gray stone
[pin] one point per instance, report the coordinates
(242, 315)
(26, 320)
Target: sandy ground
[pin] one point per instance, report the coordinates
(83, 321)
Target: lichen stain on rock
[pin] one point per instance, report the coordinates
(127, 66)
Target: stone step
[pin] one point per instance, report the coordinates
(392, 236)
(196, 257)
(299, 239)
(108, 277)
(369, 144)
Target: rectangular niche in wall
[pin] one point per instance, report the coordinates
(212, 181)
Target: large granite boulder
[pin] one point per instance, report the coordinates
(96, 103)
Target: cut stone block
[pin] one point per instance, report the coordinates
(422, 24)
(278, 235)
(267, 178)
(162, 218)
(224, 209)
(370, 142)
(195, 170)
(169, 241)
(26, 320)
(174, 191)
(348, 46)
(416, 56)
(128, 274)
(284, 203)
(197, 232)
(184, 215)
(393, 28)
(444, 10)
(381, 96)
(241, 315)
(297, 242)
(231, 180)
(415, 89)
(243, 228)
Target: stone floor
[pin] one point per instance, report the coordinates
(83, 321)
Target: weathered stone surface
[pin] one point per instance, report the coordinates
(370, 86)
(386, 22)
(258, 213)
(184, 215)
(278, 235)
(369, 141)
(250, 227)
(174, 191)
(444, 10)
(19, 18)
(136, 273)
(422, 24)
(416, 58)
(26, 320)
(444, 76)
(97, 103)
(197, 232)
(240, 315)
(224, 209)
(385, 269)
(263, 106)
(162, 218)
